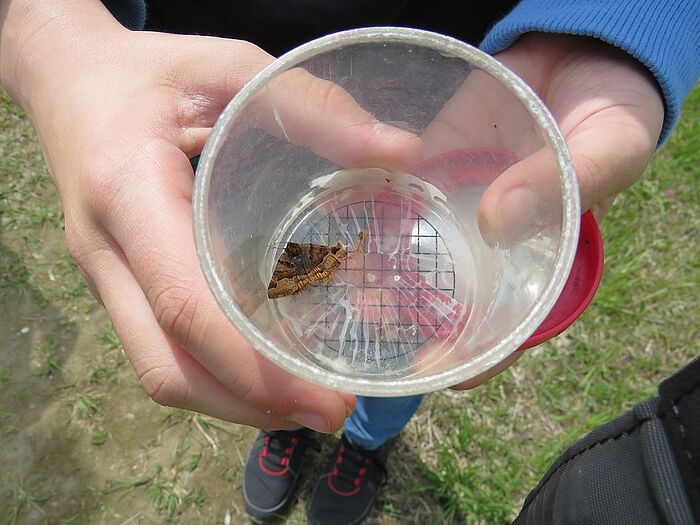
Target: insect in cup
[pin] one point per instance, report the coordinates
(304, 265)
(390, 140)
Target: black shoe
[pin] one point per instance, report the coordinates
(349, 485)
(272, 472)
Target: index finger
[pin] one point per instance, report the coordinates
(296, 105)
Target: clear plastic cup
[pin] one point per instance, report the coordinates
(393, 285)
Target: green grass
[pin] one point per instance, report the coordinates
(23, 500)
(99, 437)
(164, 487)
(49, 364)
(109, 337)
(85, 406)
(69, 396)
(164, 494)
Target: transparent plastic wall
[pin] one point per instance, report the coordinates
(362, 164)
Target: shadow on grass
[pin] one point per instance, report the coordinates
(39, 455)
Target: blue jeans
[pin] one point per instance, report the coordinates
(378, 419)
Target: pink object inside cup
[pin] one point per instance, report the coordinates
(481, 166)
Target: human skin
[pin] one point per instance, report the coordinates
(119, 113)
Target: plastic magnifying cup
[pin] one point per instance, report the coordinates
(334, 167)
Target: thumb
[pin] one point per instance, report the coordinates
(526, 198)
(523, 200)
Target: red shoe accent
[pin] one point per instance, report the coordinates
(340, 492)
(356, 481)
(284, 461)
(271, 472)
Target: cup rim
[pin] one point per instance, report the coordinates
(410, 385)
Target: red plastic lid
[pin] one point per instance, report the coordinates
(580, 288)
(481, 165)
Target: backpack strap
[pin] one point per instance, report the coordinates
(680, 409)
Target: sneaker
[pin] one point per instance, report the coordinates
(272, 472)
(348, 487)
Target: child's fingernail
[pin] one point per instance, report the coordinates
(385, 131)
(315, 422)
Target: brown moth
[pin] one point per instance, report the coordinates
(302, 265)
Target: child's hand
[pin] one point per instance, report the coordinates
(118, 114)
(607, 105)
(610, 111)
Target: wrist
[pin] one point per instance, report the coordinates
(45, 49)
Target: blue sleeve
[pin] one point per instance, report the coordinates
(664, 35)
